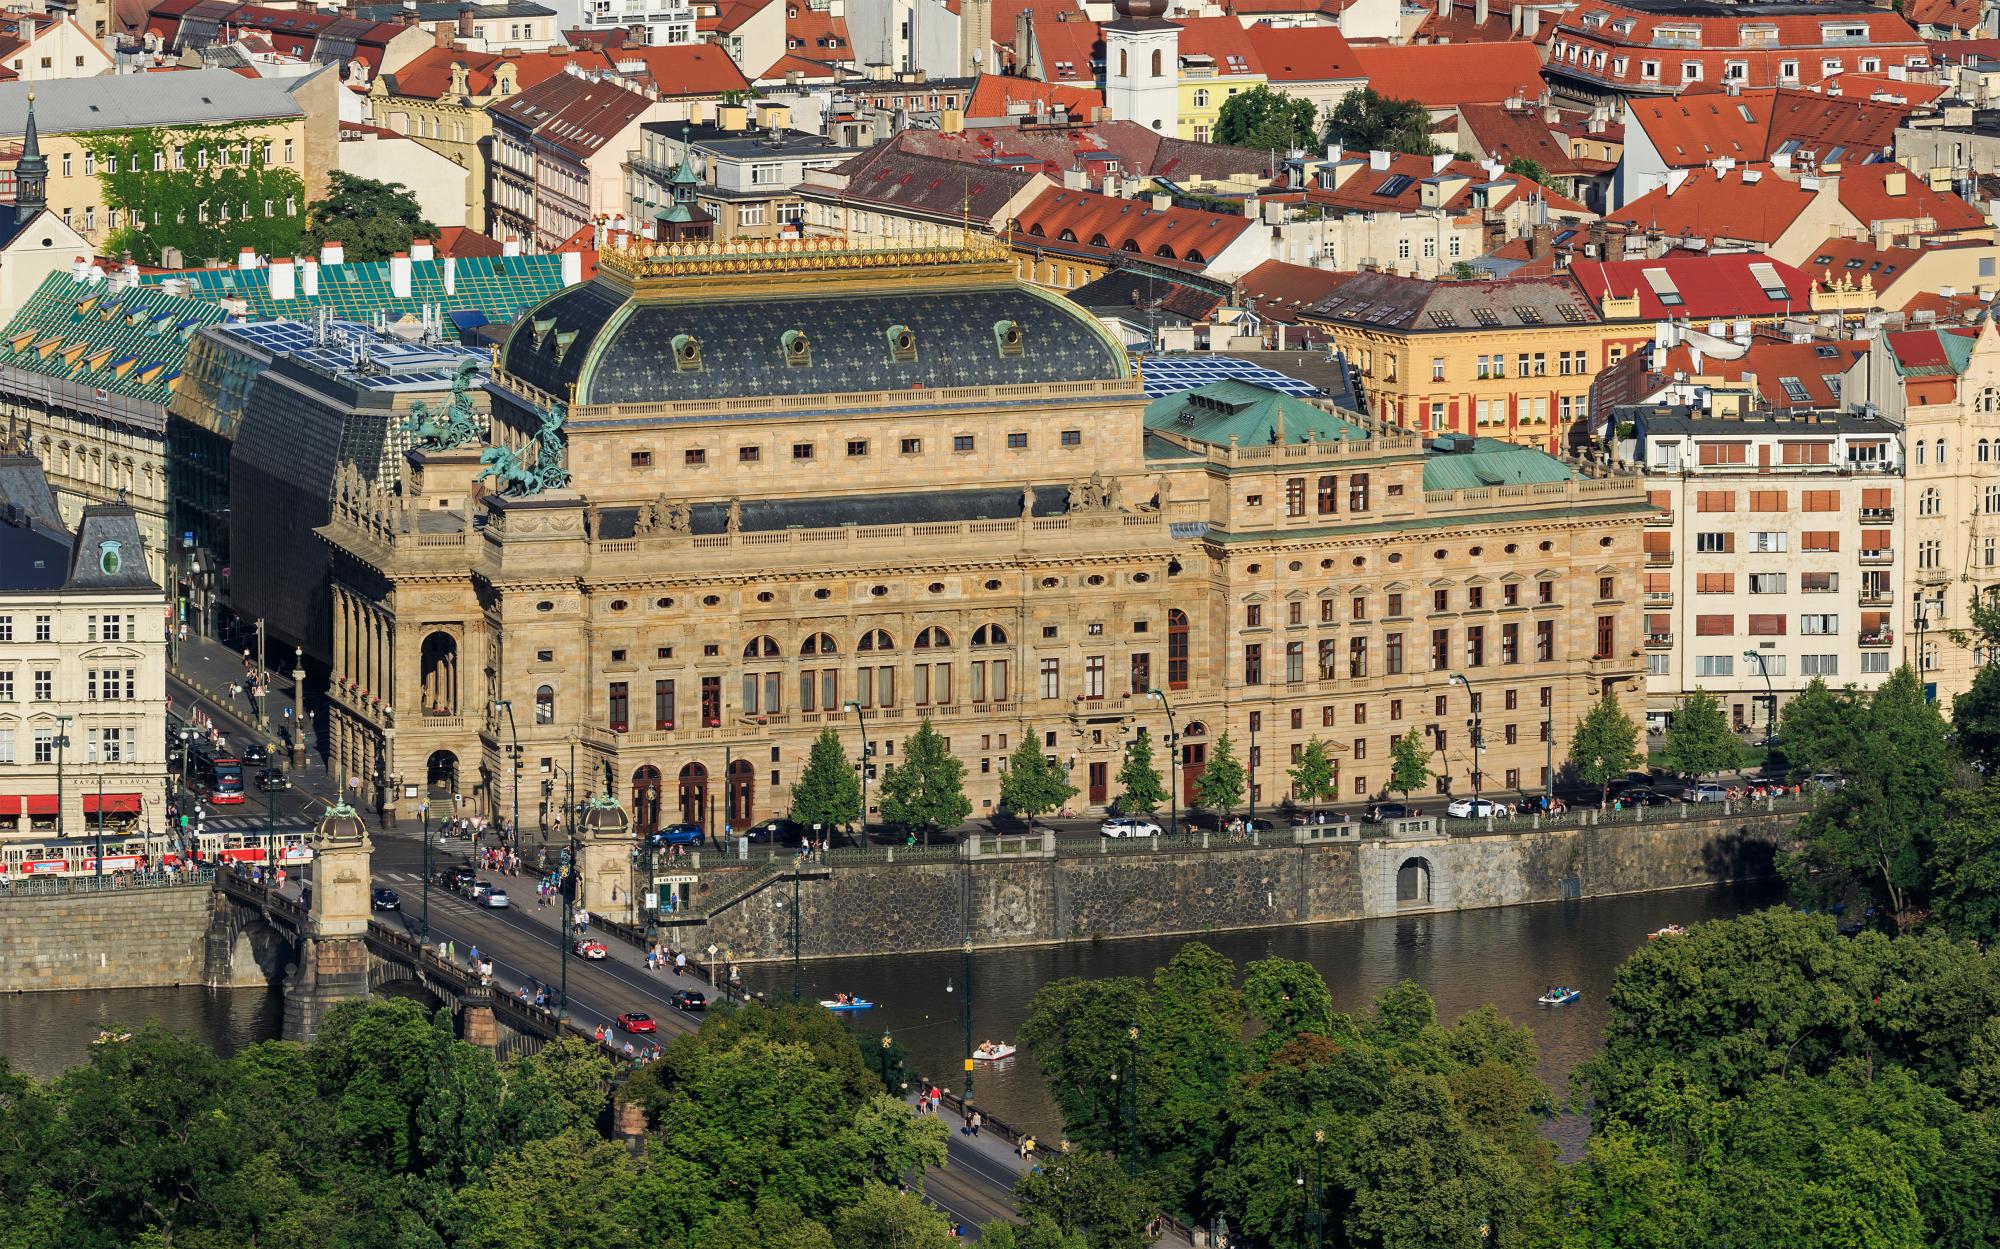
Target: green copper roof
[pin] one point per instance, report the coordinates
(1490, 462)
(500, 287)
(1252, 415)
(674, 212)
(131, 342)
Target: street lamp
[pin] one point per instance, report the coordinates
(861, 717)
(1256, 718)
(1478, 739)
(62, 743)
(1923, 609)
(1770, 696)
(298, 706)
(514, 830)
(1173, 761)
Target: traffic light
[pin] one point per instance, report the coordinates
(548, 787)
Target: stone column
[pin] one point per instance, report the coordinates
(605, 872)
(339, 634)
(333, 963)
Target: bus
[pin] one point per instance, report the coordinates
(215, 776)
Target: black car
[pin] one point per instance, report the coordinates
(386, 900)
(777, 832)
(1383, 812)
(457, 878)
(273, 780)
(688, 999)
(254, 756)
(1641, 796)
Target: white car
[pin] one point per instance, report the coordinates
(1705, 793)
(498, 899)
(1473, 808)
(1129, 826)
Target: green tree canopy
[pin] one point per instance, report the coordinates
(372, 220)
(828, 791)
(1966, 895)
(1141, 791)
(1220, 786)
(1365, 121)
(1314, 776)
(926, 790)
(1606, 745)
(1261, 117)
(216, 189)
(1034, 784)
(1699, 741)
(1531, 169)
(1409, 763)
(1821, 727)
(1975, 721)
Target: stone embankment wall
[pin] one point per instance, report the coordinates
(889, 908)
(125, 939)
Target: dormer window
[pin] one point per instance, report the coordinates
(687, 353)
(797, 348)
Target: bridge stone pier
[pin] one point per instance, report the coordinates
(333, 950)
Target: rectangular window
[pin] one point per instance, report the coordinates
(1714, 625)
(663, 704)
(1819, 500)
(1295, 662)
(1715, 500)
(1253, 664)
(1819, 541)
(1766, 624)
(711, 702)
(1052, 678)
(1475, 646)
(1093, 676)
(1357, 656)
(1607, 636)
(1392, 654)
(1440, 649)
(1510, 644)
(1142, 672)
(1767, 583)
(1819, 665)
(802, 451)
(619, 707)
(1871, 662)
(1769, 542)
(856, 448)
(1545, 641)
(1357, 492)
(1072, 438)
(1768, 500)
(1715, 665)
(1819, 625)
(45, 684)
(1715, 583)
(1017, 442)
(1295, 496)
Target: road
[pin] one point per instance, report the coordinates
(974, 1187)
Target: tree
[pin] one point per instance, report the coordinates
(1530, 169)
(1966, 895)
(1314, 777)
(1606, 745)
(1876, 831)
(1699, 741)
(927, 789)
(1366, 121)
(1409, 763)
(1821, 727)
(1034, 783)
(1263, 118)
(1288, 998)
(372, 220)
(828, 791)
(1220, 785)
(1087, 1196)
(1975, 721)
(1141, 791)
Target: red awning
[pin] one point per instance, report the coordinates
(41, 804)
(10, 804)
(114, 804)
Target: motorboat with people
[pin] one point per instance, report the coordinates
(845, 1001)
(992, 1052)
(1671, 930)
(1560, 995)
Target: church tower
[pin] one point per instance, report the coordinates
(31, 172)
(1142, 66)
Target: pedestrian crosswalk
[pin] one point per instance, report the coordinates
(250, 823)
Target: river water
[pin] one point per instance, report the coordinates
(1464, 959)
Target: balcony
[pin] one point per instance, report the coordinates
(1877, 598)
(1880, 555)
(1879, 639)
(1878, 513)
(1659, 559)
(1659, 520)
(1659, 641)
(1659, 596)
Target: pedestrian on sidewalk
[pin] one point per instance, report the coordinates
(680, 963)
(972, 1124)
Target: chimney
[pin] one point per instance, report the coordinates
(284, 278)
(1162, 202)
(1439, 160)
(465, 29)
(422, 249)
(332, 253)
(572, 268)
(1378, 160)
(246, 259)
(399, 275)
(1531, 22)
(510, 247)
(635, 36)
(441, 36)
(1444, 10)
(1896, 183)
(1479, 12)
(309, 277)
(451, 275)
(1541, 240)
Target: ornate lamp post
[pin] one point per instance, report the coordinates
(1173, 761)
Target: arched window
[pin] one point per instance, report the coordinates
(1156, 62)
(1067, 236)
(1981, 451)
(1200, 97)
(1177, 649)
(1937, 451)
(545, 704)
(1098, 240)
(1929, 502)
(933, 638)
(764, 647)
(1195, 257)
(1124, 63)
(820, 644)
(876, 640)
(989, 635)
(1920, 451)
(1164, 252)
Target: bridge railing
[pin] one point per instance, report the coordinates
(111, 882)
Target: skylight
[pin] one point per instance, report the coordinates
(1795, 390)
(1394, 184)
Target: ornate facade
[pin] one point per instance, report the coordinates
(752, 490)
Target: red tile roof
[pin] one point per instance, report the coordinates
(1773, 362)
(817, 33)
(428, 75)
(1709, 286)
(1360, 192)
(1221, 38)
(1282, 290)
(1303, 54)
(1001, 95)
(1756, 208)
(1506, 134)
(1101, 224)
(574, 114)
(1945, 309)
(1886, 90)
(792, 63)
(1613, 45)
(465, 244)
(686, 70)
(1695, 129)
(1067, 48)
(1106, 147)
(1946, 14)
(1864, 191)
(1445, 75)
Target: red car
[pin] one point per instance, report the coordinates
(593, 950)
(636, 1021)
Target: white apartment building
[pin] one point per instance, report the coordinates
(1773, 559)
(82, 677)
(665, 21)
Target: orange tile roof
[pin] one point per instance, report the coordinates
(1695, 129)
(1868, 86)
(1444, 75)
(994, 94)
(817, 33)
(791, 62)
(1105, 225)
(1506, 134)
(1067, 48)
(1303, 54)
(1947, 14)
(1959, 306)
(1709, 286)
(1359, 193)
(428, 75)
(1725, 205)
(1221, 38)
(681, 70)
(1773, 361)
(1864, 191)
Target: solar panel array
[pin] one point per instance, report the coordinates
(1171, 374)
(391, 364)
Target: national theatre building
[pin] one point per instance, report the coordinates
(731, 494)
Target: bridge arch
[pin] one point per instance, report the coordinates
(1413, 882)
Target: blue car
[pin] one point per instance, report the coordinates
(678, 835)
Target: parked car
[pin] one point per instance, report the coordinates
(689, 999)
(778, 831)
(1383, 812)
(1128, 826)
(1708, 791)
(497, 899)
(1472, 808)
(385, 900)
(1826, 780)
(595, 951)
(678, 835)
(273, 780)
(1640, 796)
(636, 1021)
